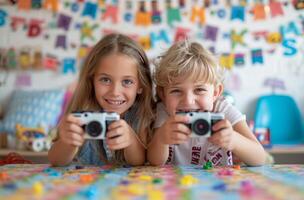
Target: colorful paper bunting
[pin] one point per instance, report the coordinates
(61, 42)
(69, 65)
(3, 15)
(112, 13)
(64, 21)
(290, 48)
(238, 12)
(257, 56)
(90, 10)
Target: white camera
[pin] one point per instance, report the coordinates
(201, 122)
(96, 123)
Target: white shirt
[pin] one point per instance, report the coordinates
(197, 150)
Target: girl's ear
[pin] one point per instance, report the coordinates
(218, 90)
(139, 91)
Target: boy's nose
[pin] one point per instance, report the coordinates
(189, 99)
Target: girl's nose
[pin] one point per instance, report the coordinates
(116, 89)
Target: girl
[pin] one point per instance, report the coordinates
(189, 79)
(115, 78)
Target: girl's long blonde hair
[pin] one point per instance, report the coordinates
(84, 96)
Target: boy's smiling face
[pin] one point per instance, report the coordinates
(189, 95)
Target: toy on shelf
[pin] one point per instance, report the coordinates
(35, 139)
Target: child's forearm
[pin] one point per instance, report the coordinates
(249, 151)
(61, 154)
(157, 153)
(135, 153)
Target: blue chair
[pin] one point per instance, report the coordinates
(281, 115)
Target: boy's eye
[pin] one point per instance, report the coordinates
(127, 82)
(200, 90)
(175, 91)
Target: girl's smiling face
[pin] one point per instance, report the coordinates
(116, 83)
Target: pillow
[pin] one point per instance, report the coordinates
(32, 109)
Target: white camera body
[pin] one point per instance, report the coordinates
(201, 122)
(96, 123)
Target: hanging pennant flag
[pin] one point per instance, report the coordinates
(51, 62)
(211, 33)
(90, 10)
(298, 4)
(51, 5)
(11, 59)
(112, 13)
(291, 28)
(142, 17)
(289, 44)
(227, 60)
(239, 59)
(259, 11)
(162, 36)
(198, 13)
(36, 4)
(23, 80)
(145, 42)
(128, 16)
(34, 29)
(69, 65)
(25, 59)
(237, 38)
(257, 56)
(3, 15)
(16, 21)
(37, 60)
(238, 12)
(64, 21)
(181, 34)
(61, 41)
(275, 8)
(25, 4)
(173, 15)
(156, 14)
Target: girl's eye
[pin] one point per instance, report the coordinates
(127, 82)
(105, 80)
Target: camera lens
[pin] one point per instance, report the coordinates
(200, 127)
(94, 128)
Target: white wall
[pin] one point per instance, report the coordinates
(245, 83)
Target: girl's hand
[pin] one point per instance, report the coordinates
(174, 130)
(119, 135)
(70, 131)
(223, 135)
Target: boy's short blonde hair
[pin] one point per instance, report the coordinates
(187, 59)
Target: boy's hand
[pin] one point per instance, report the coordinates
(119, 135)
(223, 135)
(70, 131)
(174, 130)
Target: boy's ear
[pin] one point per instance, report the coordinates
(218, 90)
(160, 93)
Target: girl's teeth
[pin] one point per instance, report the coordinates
(115, 102)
